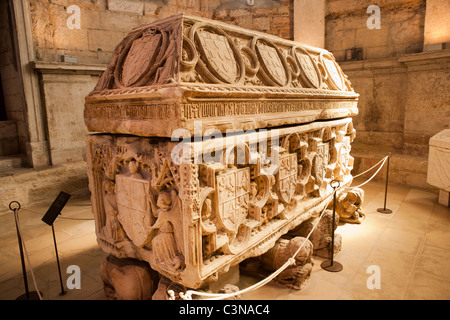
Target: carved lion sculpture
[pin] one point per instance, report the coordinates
(296, 276)
(321, 235)
(127, 279)
(348, 205)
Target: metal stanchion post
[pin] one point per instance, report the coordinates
(33, 295)
(384, 209)
(49, 217)
(331, 265)
(63, 292)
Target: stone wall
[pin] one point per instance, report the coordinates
(64, 88)
(401, 22)
(68, 60)
(104, 23)
(404, 99)
(269, 16)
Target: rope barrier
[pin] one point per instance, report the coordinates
(360, 174)
(289, 262)
(220, 296)
(376, 172)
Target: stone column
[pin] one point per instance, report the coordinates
(309, 22)
(37, 153)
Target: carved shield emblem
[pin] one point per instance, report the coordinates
(218, 55)
(271, 62)
(309, 72)
(287, 177)
(334, 75)
(232, 194)
(133, 207)
(323, 149)
(140, 57)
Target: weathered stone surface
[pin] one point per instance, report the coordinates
(401, 28)
(403, 103)
(128, 279)
(321, 235)
(194, 209)
(439, 164)
(297, 275)
(68, 83)
(21, 184)
(181, 69)
(348, 205)
(182, 219)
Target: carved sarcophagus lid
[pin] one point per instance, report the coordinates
(168, 74)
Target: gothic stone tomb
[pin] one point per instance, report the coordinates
(209, 142)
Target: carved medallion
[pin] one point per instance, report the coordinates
(220, 60)
(218, 55)
(335, 78)
(233, 190)
(133, 207)
(141, 56)
(274, 67)
(309, 72)
(287, 177)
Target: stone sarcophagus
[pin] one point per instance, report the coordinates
(209, 142)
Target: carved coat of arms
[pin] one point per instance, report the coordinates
(287, 177)
(309, 71)
(271, 62)
(219, 55)
(334, 75)
(233, 190)
(140, 57)
(134, 212)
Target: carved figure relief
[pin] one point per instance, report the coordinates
(193, 220)
(321, 235)
(165, 248)
(296, 276)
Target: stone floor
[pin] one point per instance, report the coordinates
(410, 247)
